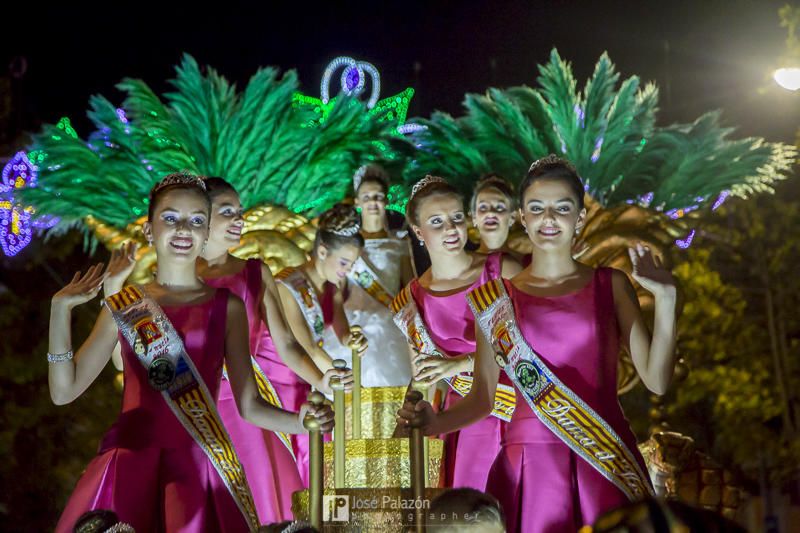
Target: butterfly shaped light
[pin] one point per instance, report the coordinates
(17, 222)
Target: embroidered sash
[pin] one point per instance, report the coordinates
(268, 392)
(408, 319)
(306, 298)
(170, 369)
(559, 408)
(365, 277)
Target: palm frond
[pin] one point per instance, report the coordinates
(608, 131)
(267, 148)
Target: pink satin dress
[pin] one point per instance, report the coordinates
(149, 470)
(542, 485)
(469, 452)
(269, 465)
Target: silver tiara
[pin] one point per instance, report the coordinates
(424, 182)
(297, 525)
(120, 527)
(345, 232)
(181, 178)
(358, 176)
(550, 160)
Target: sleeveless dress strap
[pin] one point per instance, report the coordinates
(494, 265)
(253, 278)
(219, 309)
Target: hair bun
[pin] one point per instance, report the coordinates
(341, 219)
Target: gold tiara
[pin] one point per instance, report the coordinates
(424, 182)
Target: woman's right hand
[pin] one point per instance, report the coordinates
(81, 289)
(419, 415)
(120, 266)
(344, 375)
(323, 413)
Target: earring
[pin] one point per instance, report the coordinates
(421, 243)
(577, 231)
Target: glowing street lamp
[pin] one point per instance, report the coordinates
(788, 78)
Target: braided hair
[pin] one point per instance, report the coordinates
(339, 226)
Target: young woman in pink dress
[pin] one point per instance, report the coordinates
(151, 470)
(270, 465)
(436, 215)
(575, 318)
(313, 299)
(492, 211)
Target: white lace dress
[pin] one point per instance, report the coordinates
(386, 362)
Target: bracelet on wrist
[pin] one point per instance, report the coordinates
(59, 357)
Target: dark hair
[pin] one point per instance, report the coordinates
(373, 174)
(659, 516)
(468, 507)
(425, 188)
(339, 226)
(492, 181)
(216, 186)
(554, 168)
(95, 521)
(172, 182)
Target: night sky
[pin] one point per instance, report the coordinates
(703, 55)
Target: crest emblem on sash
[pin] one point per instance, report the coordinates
(306, 297)
(416, 337)
(503, 344)
(138, 346)
(148, 331)
(528, 377)
(364, 279)
(161, 373)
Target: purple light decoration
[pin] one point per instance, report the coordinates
(678, 213)
(352, 79)
(124, 119)
(720, 200)
(598, 146)
(18, 173)
(15, 229)
(645, 200)
(411, 128)
(579, 114)
(687, 242)
(45, 222)
(15, 221)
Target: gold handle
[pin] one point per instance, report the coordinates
(356, 403)
(315, 452)
(338, 426)
(418, 465)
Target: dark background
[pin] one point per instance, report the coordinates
(702, 54)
